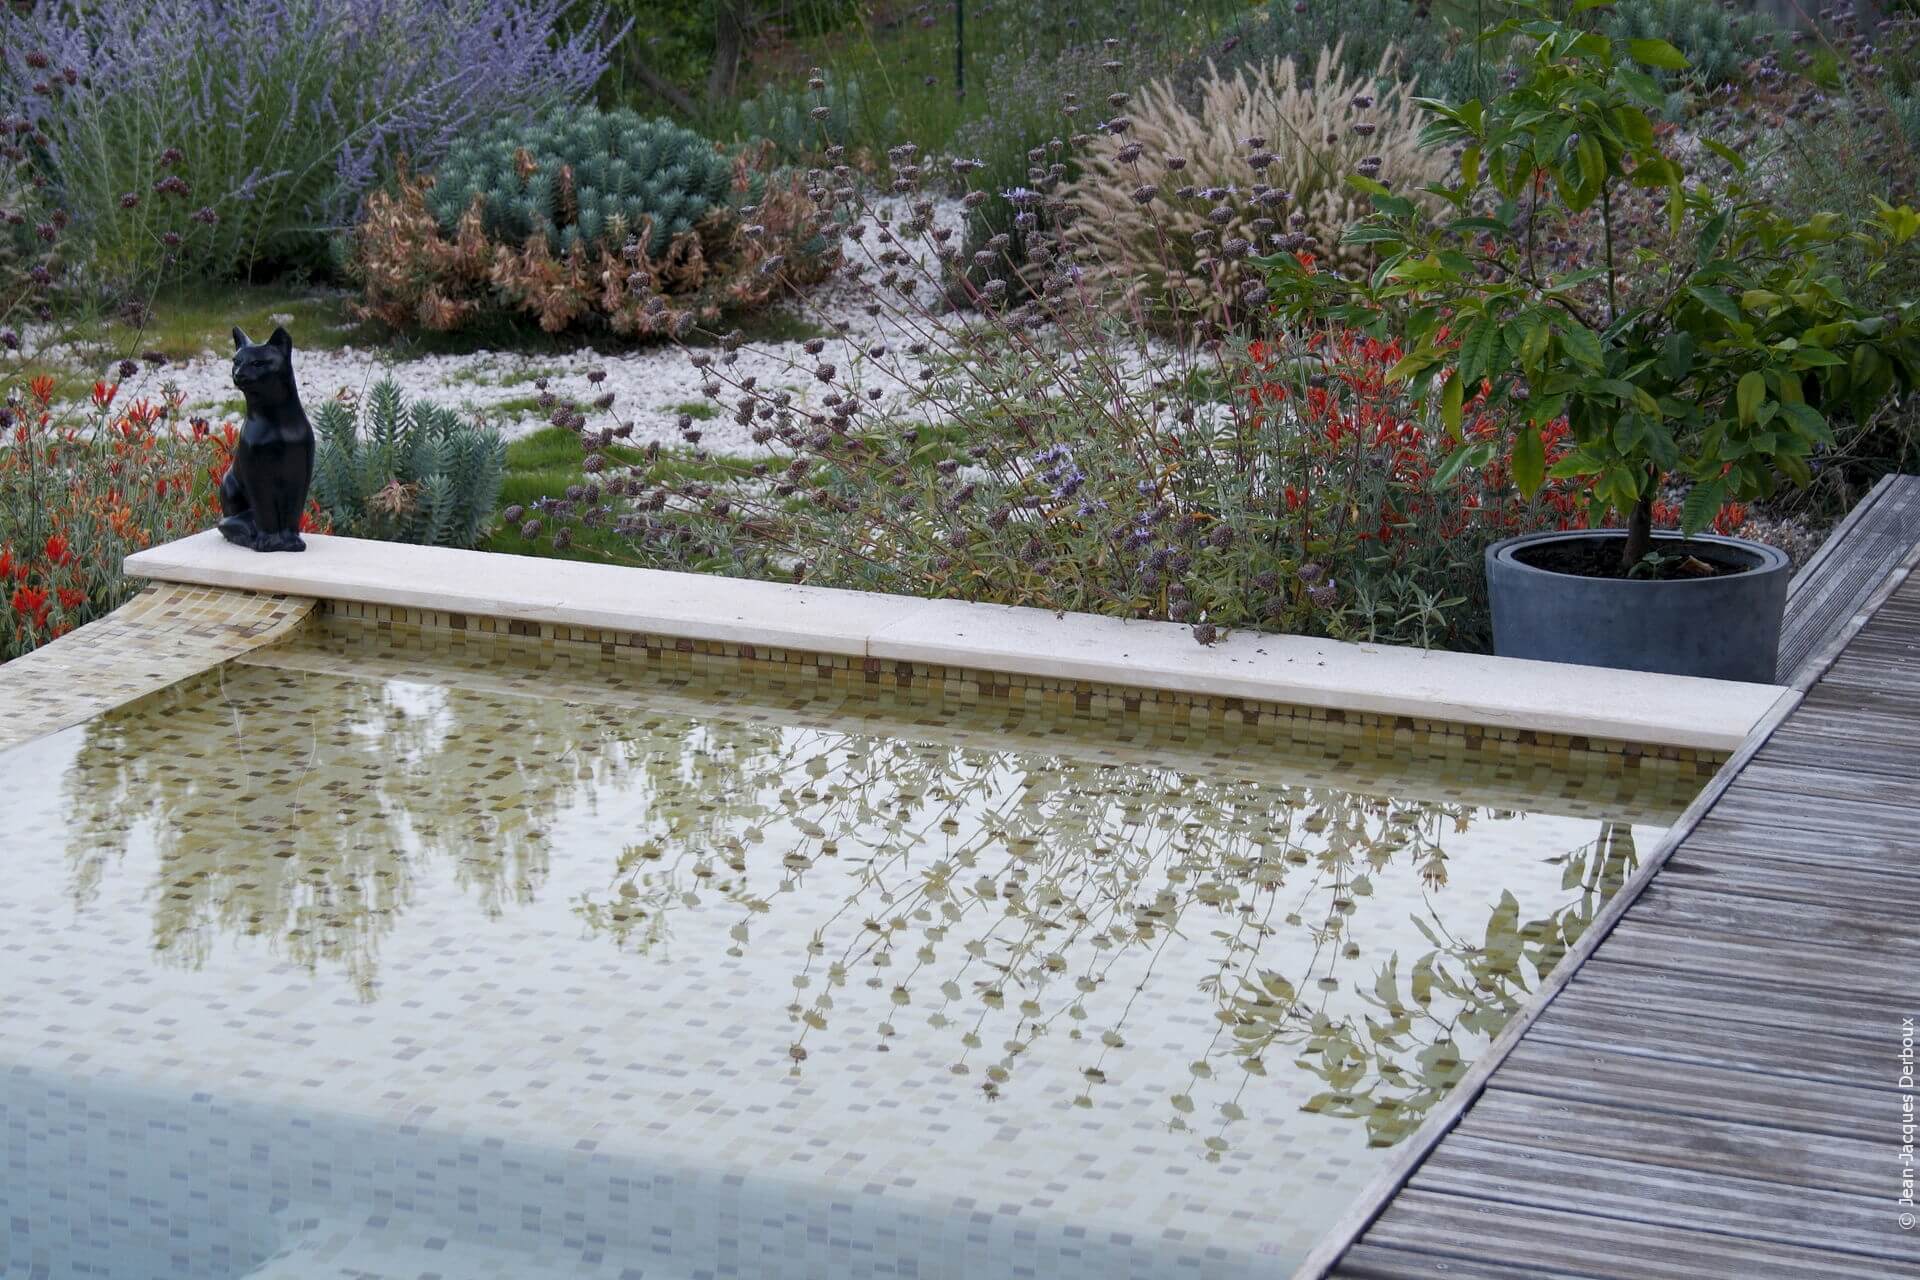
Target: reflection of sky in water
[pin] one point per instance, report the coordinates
(944, 991)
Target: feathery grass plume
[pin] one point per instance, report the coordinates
(1263, 159)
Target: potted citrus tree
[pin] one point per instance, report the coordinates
(1707, 361)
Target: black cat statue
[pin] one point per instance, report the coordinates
(265, 491)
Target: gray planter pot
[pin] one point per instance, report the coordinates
(1725, 628)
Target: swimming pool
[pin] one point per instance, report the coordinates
(381, 953)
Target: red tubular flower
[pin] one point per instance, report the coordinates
(58, 550)
(70, 599)
(31, 602)
(103, 393)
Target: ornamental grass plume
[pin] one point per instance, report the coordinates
(1173, 207)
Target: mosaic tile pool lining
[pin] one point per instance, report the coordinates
(401, 951)
(166, 633)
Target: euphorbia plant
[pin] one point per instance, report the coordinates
(1721, 362)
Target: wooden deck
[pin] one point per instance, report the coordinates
(1713, 1092)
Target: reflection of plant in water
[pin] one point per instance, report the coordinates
(1006, 899)
(1391, 1071)
(297, 808)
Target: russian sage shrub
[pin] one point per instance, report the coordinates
(242, 134)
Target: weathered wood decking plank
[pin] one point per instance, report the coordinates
(1723, 914)
(1731, 1148)
(1845, 571)
(1727, 1094)
(1445, 1227)
(1799, 745)
(1710, 1095)
(1645, 1031)
(1489, 1169)
(1762, 960)
(1834, 782)
(1688, 995)
(1788, 877)
(1372, 1262)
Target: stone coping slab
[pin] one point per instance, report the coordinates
(1384, 680)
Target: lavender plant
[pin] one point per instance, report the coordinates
(240, 134)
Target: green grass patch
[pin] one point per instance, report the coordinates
(543, 464)
(192, 319)
(698, 410)
(514, 407)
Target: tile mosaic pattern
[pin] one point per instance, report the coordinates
(166, 633)
(401, 951)
(1087, 702)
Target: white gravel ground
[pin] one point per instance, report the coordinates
(649, 384)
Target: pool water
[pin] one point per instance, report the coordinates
(370, 956)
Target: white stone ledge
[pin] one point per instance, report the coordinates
(1383, 680)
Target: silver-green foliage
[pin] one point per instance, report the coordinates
(403, 472)
(1716, 40)
(802, 122)
(581, 175)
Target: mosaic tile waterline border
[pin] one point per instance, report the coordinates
(1085, 701)
(172, 631)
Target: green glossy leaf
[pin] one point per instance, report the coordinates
(1642, 86)
(1716, 300)
(1703, 503)
(1583, 346)
(1710, 237)
(1593, 169)
(1808, 423)
(1474, 455)
(1661, 447)
(1676, 357)
(1634, 126)
(1479, 350)
(1750, 393)
(1808, 357)
(1658, 54)
(1529, 459)
(1726, 153)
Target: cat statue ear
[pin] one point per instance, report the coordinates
(282, 339)
(240, 339)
